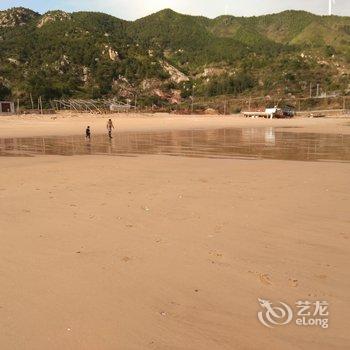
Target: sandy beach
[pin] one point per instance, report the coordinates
(68, 123)
(169, 253)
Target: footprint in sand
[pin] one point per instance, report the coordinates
(218, 259)
(218, 228)
(293, 282)
(322, 277)
(265, 279)
(216, 253)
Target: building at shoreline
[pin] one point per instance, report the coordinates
(7, 107)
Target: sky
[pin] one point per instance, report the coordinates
(133, 9)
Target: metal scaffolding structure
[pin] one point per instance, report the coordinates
(91, 106)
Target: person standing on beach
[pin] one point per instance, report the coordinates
(110, 127)
(88, 133)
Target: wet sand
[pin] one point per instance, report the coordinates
(148, 251)
(236, 143)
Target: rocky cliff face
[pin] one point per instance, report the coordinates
(16, 17)
(53, 16)
(175, 75)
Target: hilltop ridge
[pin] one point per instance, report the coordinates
(91, 54)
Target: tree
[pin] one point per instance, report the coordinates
(5, 92)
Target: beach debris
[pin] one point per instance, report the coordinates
(316, 115)
(145, 208)
(163, 313)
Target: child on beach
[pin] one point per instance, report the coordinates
(88, 133)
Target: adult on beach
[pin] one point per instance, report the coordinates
(110, 127)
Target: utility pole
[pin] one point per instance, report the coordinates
(330, 7)
(192, 104)
(41, 105)
(31, 100)
(310, 90)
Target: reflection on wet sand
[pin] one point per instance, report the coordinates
(223, 143)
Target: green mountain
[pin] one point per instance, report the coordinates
(93, 55)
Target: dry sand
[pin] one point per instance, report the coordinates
(155, 252)
(75, 124)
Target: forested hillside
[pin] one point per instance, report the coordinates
(167, 56)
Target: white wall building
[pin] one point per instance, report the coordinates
(7, 107)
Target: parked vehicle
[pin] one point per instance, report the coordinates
(288, 111)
